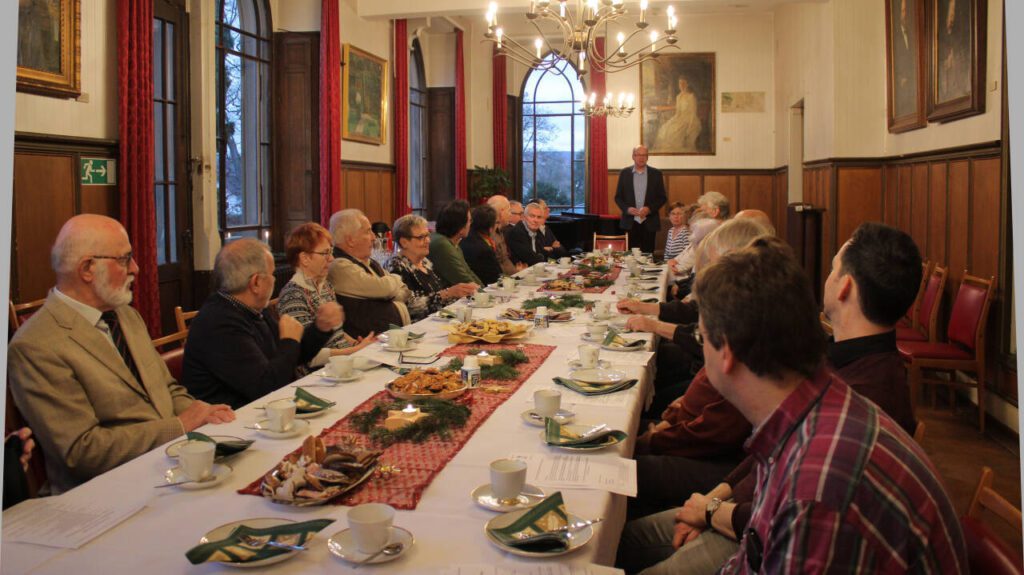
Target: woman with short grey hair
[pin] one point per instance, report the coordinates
(412, 237)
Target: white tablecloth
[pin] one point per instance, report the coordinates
(447, 524)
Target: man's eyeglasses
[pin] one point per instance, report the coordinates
(516, 213)
(125, 260)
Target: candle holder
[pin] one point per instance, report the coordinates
(399, 418)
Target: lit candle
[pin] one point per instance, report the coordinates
(499, 33)
(629, 100)
(266, 236)
(561, 8)
(532, 7)
(643, 10)
(622, 98)
(654, 41)
(583, 61)
(593, 98)
(622, 40)
(493, 11)
(607, 100)
(410, 409)
(670, 13)
(397, 419)
(538, 43)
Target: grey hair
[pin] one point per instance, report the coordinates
(731, 235)
(515, 203)
(237, 262)
(71, 248)
(635, 148)
(534, 205)
(404, 225)
(344, 224)
(715, 200)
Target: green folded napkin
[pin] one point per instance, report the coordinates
(446, 313)
(547, 517)
(231, 549)
(223, 448)
(412, 334)
(593, 389)
(306, 402)
(559, 435)
(612, 339)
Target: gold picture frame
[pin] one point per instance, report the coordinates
(364, 96)
(49, 47)
(677, 104)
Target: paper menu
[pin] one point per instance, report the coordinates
(548, 569)
(613, 474)
(65, 521)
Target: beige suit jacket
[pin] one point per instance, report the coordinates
(87, 410)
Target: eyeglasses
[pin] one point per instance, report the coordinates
(324, 253)
(125, 260)
(420, 237)
(697, 335)
(516, 213)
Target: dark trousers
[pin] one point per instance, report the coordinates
(641, 237)
(666, 481)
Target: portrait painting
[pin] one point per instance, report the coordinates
(905, 64)
(677, 104)
(49, 52)
(957, 39)
(364, 96)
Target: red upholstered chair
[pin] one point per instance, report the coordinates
(986, 552)
(182, 317)
(616, 243)
(910, 319)
(964, 349)
(175, 356)
(19, 312)
(926, 327)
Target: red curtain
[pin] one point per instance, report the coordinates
(498, 91)
(401, 119)
(461, 191)
(135, 168)
(598, 145)
(330, 111)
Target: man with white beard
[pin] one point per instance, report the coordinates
(83, 370)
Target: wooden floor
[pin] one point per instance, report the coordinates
(958, 450)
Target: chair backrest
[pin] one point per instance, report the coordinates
(970, 311)
(919, 431)
(911, 315)
(182, 317)
(616, 243)
(986, 552)
(985, 497)
(928, 313)
(175, 360)
(19, 312)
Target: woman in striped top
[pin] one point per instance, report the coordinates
(679, 234)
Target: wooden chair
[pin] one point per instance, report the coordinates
(182, 318)
(964, 349)
(616, 243)
(919, 432)
(174, 357)
(910, 318)
(825, 323)
(19, 312)
(986, 552)
(926, 328)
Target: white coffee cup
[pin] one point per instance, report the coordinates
(196, 459)
(564, 261)
(636, 252)
(482, 298)
(589, 355)
(546, 402)
(602, 308)
(371, 525)
(508, 283)
(342, 365)
(596, 330)
(280, 414)
(508, 476)
(398, 338)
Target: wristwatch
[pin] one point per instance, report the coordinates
(709, 511)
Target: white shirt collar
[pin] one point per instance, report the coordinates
(91, 314)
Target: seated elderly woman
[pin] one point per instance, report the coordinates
(412, 237)
(478, 247)
(452, 226)
(374, 298)
(308, 250)
(678, 237)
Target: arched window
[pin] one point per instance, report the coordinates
(554, 138)
(243, 119)
(418, 150)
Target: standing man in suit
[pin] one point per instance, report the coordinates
(640, 194)
(83, 370)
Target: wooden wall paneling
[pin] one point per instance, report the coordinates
(905, 199)
(613, 182)
(858, 200)
(387, 205)
(685, 188)
(756, 193)
(958, 227)
(725, 185)
(371, 196)
(938, 237)
(919, 206)
(353, 192)
(985, 217)
(297, 148)
(781, 190)
(826, 183)
(44, 198)
(890, 196)
(99, 200)
(440, 187)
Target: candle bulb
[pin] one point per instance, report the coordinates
(492, 9)
(643, 10)
(654, 41)
(670, 13)
(561, 8)
(622, 98)
(532, 7)
(499, 33)
(537, 43)
(266, 236)
(622, 40)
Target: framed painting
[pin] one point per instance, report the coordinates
(677, 104)
(905, 64)
(956, 62)
(364, 96)
(49, 47)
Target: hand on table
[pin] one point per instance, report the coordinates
(641, 323)
(357, 344)
(462, 290)
(328, 317)
(200, 412)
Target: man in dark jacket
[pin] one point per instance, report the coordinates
(640, 194)
(527, 242)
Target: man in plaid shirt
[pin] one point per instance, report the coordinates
(840, 486)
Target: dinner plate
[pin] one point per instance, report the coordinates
(602, 363)
(528, 497)
(298, 426)
(343, 545)
(576, 540)
(609, 440)
(602, 317)
(218, 533)
(599, 376)
(172, 449)
(311, 502)
(598, 339)
(323, 374)
(623, 348)
(175, 475)
(562, 416)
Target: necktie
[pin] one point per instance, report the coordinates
(114, 327)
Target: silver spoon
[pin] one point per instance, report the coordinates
(389, 550)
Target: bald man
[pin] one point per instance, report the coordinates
(758, 216)
(83, 370)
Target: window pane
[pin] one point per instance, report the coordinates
(230, 13)
(229, 39)
(172, 224)
(528, 180)
(169, 71)
(169, 141)
(161, 225)
(158, 60)
(234, 192)
(264, 183)
(553, 134)
(579, 186)
(158, 141)
(567, 108)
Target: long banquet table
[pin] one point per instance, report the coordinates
(447, 524)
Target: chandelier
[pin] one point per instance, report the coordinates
(625, 107)
(575, 32)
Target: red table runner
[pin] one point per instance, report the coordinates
(419, 463)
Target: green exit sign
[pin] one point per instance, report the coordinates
(99, 172)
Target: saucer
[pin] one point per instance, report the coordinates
(306, 414)
(172, 449)
(408, 347)
(587, 337)
(599, 376)
(603, 317)
(175, 474)
(562, 416)
(298, 426)
(322, 374)
(529, 497)
(577, 539)
(602, 363)
(343, 545)
(222, 532)
(487, 305)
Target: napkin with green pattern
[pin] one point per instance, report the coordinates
(446, 313)
(593, 388)
(613, 339)
(232, 549)
(306, 402)
(558, 435)
(547, 517)
(223, 448)
(412, 335)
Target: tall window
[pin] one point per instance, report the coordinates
(243, 123)
(554, 138)
(417, 132)
(165, 119)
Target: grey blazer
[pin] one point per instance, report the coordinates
(86, 409)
